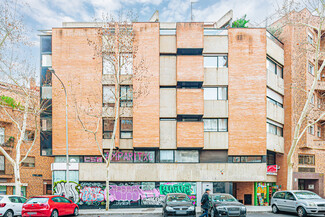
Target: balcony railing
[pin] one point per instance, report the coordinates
(7, 141)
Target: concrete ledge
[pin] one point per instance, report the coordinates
(98, 212)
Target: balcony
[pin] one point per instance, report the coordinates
(317, 145)
(275, 143)
(275, 112)
(275, 82)
(320, 86)
(8, 142)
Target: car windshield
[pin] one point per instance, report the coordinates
(178, 198)
(37, 200)
(306, 195)
(223, 198)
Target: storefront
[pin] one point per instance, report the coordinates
(263, 193)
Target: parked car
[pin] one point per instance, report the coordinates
(300, 202)
(178, 204)
(11, 205)
(49, 205)
(226, 205)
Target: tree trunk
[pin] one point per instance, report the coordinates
(289, 175)
(107, 186)
(17, 180)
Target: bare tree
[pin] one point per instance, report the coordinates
(118, 50)
(304, 111)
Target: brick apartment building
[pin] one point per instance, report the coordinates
(213, 117)
(35, 172)
(299, 75)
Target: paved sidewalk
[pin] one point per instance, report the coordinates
(87, 212)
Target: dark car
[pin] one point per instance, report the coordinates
(50, 206)
(178, 204)
(226, 205)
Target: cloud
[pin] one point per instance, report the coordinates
(176, 11)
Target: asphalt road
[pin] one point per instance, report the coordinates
(249, 215)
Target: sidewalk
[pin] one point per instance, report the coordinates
(87, 212)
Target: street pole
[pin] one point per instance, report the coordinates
(66, 133)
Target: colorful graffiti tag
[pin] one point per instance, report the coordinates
(131, 194)
(61, 188)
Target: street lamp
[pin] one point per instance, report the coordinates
(66, 131)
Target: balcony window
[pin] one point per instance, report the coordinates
(2, 135)
(28, 162)
(189, 118)
(215, 61)
(108, 127)
(305, 159)
(46, 44)
(126, 63)
(311, 68)
(187, 156)
(167, 31)
(312, 129)
(109, 96)
(29, 135)
(319, 132)
(2, 164)
(126, 128)
(216, 93)
(216, 125)
(274, 128)
(189, 84)
(213, 156)
(274, 67)
(126, 96)
(108, 67)
(166, 156)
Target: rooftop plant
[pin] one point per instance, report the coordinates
(240, 23)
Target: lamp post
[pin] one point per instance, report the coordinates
(66, 132)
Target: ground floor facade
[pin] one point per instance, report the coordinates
(139, 185)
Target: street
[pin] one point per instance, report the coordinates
(158, 215)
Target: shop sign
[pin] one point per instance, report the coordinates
(272, 170)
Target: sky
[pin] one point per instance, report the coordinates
(45, 14)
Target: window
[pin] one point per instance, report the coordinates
(46, 60)
(29, 135)
(312, 99)
(310, 38)
(2, 135)
(186, 156)
(126, 96)
(311, 68)
(274, 98)
(167, 31)
(189, 51)
(166, 156)
(126, 128)
(216, 61)
(144, 157)
(216, 125)
(108, 67)
(46, 44)
(271, 158)
(215, 32)
(275, 68)
(189, 118)
(213, 156)
(274, 102)
(245, 159)
(289, 196)
(126, 62)
(279, 195)
(306, 159)
(216, 93)
(28, 162)
(306, 170)
(319, 103)
(2, 164)
(108, 96)
(274, 128)
(46, 124)
(108, 127)
(312, 129)
(189, 84)
(319, 132)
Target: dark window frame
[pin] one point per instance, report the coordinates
(217, 124)
(303, 161)
(276, 67)
(125, 101)
(126, 131)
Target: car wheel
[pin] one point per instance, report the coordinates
(275, 209)
(8, 213)
(301, 212)
(76, 212)
(55, 213)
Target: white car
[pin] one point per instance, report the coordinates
(11, 205)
